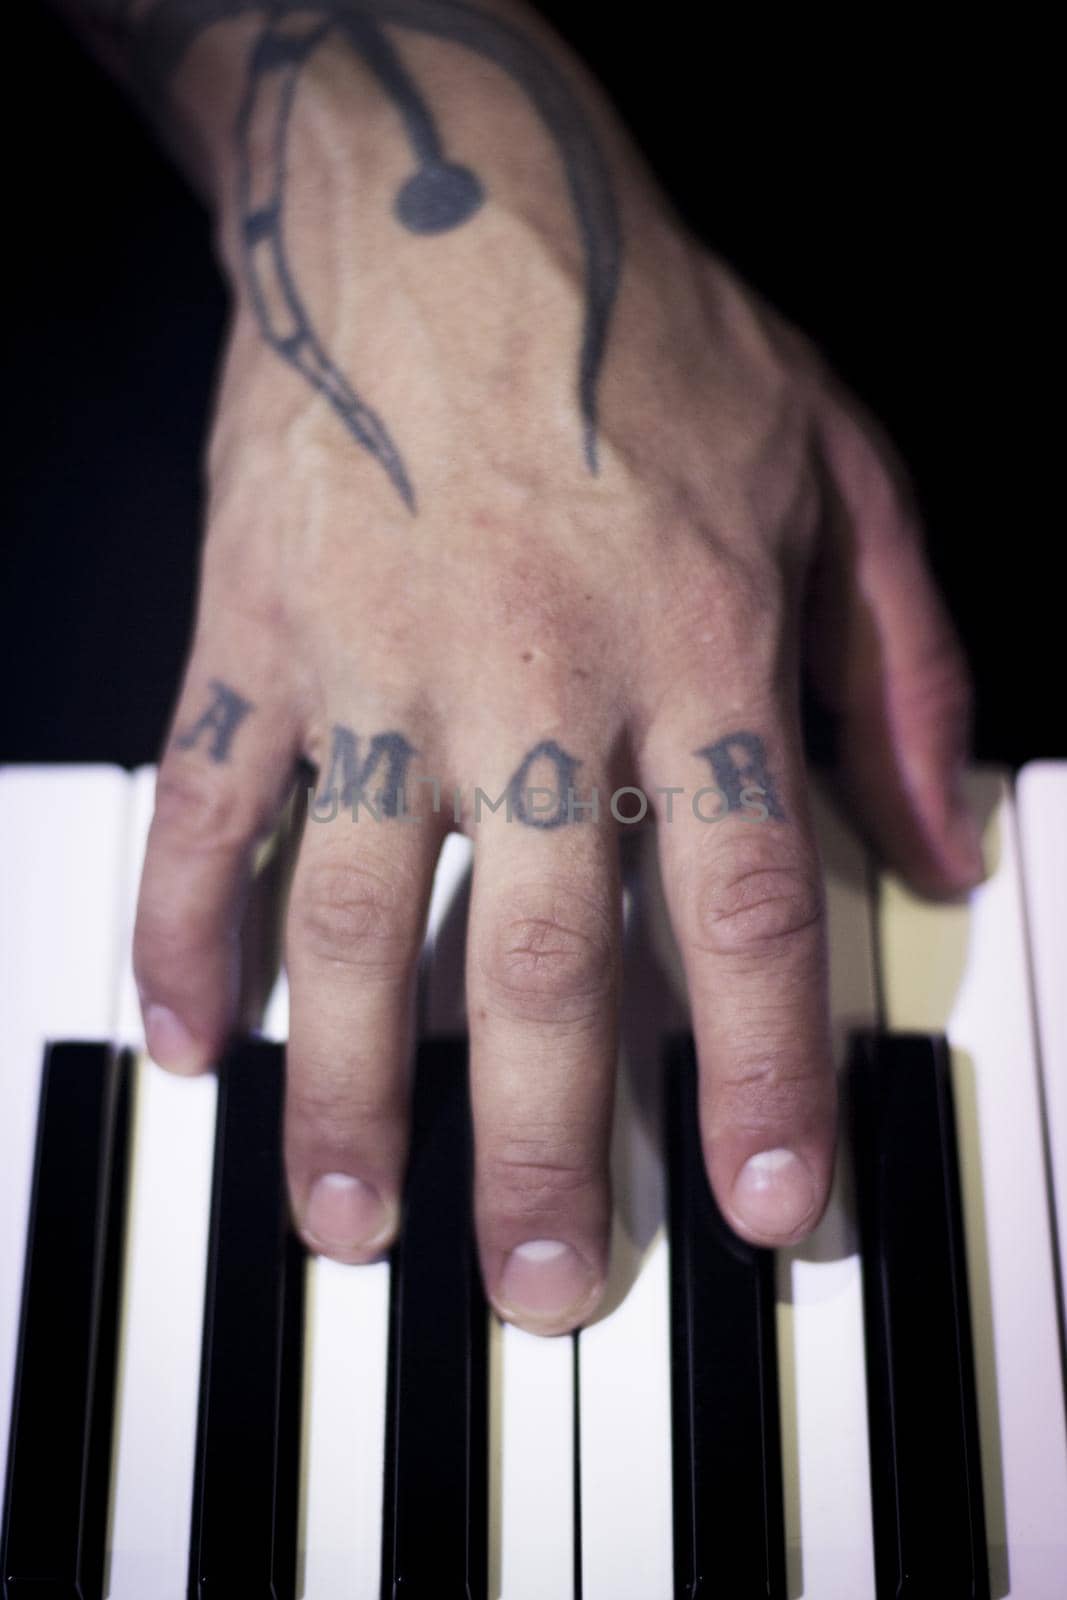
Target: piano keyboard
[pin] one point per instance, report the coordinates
(831, 1422)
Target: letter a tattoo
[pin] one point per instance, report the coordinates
(219, 722)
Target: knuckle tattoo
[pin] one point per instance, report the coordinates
(217, 724)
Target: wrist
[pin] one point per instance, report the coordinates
(369, 66)
(416, 118)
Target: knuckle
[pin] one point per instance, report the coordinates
(728, 611)
(181, 937)
(164, 941)
(549, 958)
(734, 587)
(245, 589)
(337, 1094)
(199, 812)
(350, 915)
(528, 1176)
(759, 910)
(939, 686)
(784, 1074)
(764, 1094)
(871, 473)
(329, 1118)
(150, 969)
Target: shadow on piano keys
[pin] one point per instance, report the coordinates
(311, 1442)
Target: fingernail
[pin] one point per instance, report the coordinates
(965, 840)
(774, 1193)
(344, 1214)
(169, 1041)
(544, 1281)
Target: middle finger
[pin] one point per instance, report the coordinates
(542, 978)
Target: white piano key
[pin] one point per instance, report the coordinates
(535, 1402)
(963, 969)
(61, 833)
(142, 799)
(624, 1406)
(821, 1359)
(159, 1370)
(1042, 801)
(625, 1434)
(346, 1339)
(162, 1318)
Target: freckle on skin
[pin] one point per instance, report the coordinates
(527, 655)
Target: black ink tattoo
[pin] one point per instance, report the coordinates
(219, 722)
(739, 766)
(439, 195)
(346, 785)
(560, 797)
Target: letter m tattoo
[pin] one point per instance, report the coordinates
(348, 777)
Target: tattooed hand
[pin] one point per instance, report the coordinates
(514, 488)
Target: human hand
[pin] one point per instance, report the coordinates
(514, 488)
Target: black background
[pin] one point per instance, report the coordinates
(881, 186)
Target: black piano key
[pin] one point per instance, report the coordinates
(926, 1481)
(435, 1508)
(246, 1484)
(59, 1457)
(729, 1520)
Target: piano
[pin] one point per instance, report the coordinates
(189, 1405)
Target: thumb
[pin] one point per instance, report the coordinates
(885, 656)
